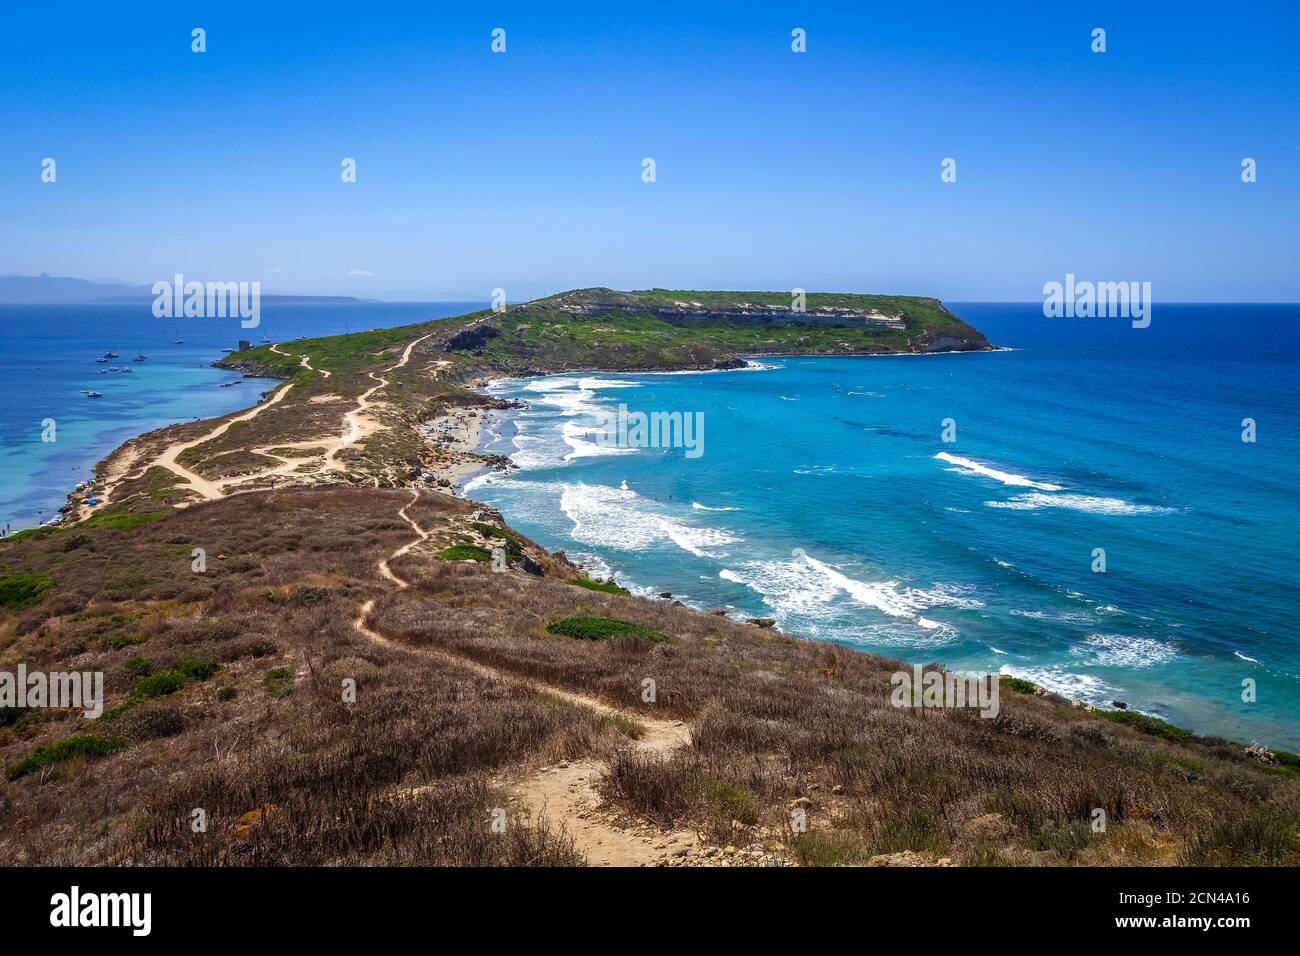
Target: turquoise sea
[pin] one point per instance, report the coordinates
(826, 498)
(50, 353)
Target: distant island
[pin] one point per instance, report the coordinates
(46, 289)
(307, 633)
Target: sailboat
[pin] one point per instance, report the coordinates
(112, 354)
(139, 356)
(178, 340)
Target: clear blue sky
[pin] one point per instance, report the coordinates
(775, 170)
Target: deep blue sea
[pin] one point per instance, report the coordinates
(49, 354)
(826, 498)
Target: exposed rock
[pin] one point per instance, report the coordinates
(761, 621)
(472, 339)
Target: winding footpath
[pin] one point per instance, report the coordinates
(355, 427)
(566, 794)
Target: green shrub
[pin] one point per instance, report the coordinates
(78, 745)
(227, 693)
(140, 666)
(278, 681)
(465, 552)
(598, 586)
(115, 642)
(729, 799)
(600, 628)
(1019, 685)
(158, 685)
(492, 531)
(198, 668)
(20, 590)
(1148, 725)
(75, 542)
(627, 726)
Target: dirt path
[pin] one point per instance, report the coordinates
(204, 487)
(304, 360)
(565, 794)
(355, 427)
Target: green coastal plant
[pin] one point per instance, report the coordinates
(465, 552)
(20, 590)
(586, 628)
(78, 745)
(598, 586)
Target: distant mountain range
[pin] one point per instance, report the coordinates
(63, 290)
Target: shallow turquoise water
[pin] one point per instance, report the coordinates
(819, 500)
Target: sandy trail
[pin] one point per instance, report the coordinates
(565, 794)
(204, 487)
(355, 427)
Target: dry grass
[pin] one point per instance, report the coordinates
(406, 773)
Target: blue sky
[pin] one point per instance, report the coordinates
(774, 169)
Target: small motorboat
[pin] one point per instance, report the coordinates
(102, 358)
(94, 395)
(127, 369)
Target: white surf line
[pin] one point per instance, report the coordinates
(567, 793)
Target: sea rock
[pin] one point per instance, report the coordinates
(1120, 705)
(665, 594)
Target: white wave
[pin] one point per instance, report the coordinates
(1253, 660)
(1122, 650)
(996, 650)
(595, 384)
(619, 518)
(581, 448)
(1102, 506)
(966, 466)
(807, 588)
(1066, 683)
(699, 507)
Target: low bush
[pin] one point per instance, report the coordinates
(78, 745)
(599, 628)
